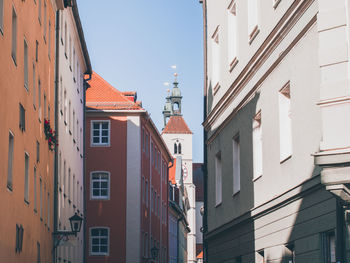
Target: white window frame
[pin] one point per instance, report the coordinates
(236, 164)
(285, 123)
(92, 133)
(215, 53)
(92, 197)
(232, 34)
(257, 146)
(253, 19)
(90, 241)
(218, 179)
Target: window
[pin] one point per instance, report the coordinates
(39, 15)
(14, 36)
(253, 28)
(65, 39)
(285, 123)
(232, 34)
(175, 148)
(26, 177)
(73, 197)
(73, 126)
(22, 118)
(48, 210)
(25, 65)
(38, 252)
(65, 107)
(257, 145)
(64, 184)
(143, 190)
(10, 162)
(215, 67)
(70, 117)
(2, 16)
(328, 247)
(37, 151)
(70, 53)
(45, 18)
(99, 241)
(49, 42)
(34, 185)
(69, 185)
(39, 99)
(34, 92)
(36, 50)
(100, 185)
(236, 165)
(179, 148)
(61, 96)
(100, 132)
(19, 238)
(41, 198)
(45, 113)
(146, 193)
(289, 253)
(260, 256)
(218, 178)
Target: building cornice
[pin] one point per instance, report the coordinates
(283, 27)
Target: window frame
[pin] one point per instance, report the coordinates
(92, 197)
(92, 144)
(91, 253)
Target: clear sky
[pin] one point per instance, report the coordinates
(133, 44)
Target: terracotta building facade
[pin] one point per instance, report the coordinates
(126, 179)
(27, 71)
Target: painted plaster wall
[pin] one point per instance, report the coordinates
(12, 92)
(108, 213)
(70, 134)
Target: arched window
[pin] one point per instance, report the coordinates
(179, 148)
(175, 148)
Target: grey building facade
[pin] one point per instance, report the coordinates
(276, 150)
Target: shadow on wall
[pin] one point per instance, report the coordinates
(231, 236)
(318, 231)
(210, 98)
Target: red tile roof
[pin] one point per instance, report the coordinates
(176, 124)
(103, 96)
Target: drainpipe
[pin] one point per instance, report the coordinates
(86, 85)
(55, 209)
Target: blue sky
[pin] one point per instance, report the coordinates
(132, 45)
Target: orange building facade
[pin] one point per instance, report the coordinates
(27, 71)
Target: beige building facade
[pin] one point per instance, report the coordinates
(73, 63)
(276, 99)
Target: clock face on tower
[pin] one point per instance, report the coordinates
(185, 172)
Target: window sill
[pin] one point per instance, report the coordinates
(219, 204)
(276, 3)
(61, 112)
(65, 123)
(14, 59)
(70, 132)
(216, 88)
(26, 202)
(236, 193)
(74, 80)
(1, 31)
(70, 68)
(65, 54)
(74, 141)
(233, 64)
(81, 156)
(100, 145)
(286, 159)
(77, 148)
(257, 178)
(9, 188)
(61, 40)
(99, 199)
(253, 35)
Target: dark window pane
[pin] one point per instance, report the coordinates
(96, 126)
(104, 133)
(105, 125)
(104, 139)
(104, 192)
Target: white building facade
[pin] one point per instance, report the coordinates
(178, 139)
(73, 64)
(277, 150)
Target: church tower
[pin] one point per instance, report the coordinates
(178, 138)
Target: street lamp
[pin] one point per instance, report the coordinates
(75, 224)
(154, 254)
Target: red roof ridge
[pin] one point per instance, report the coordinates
(176, 124)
